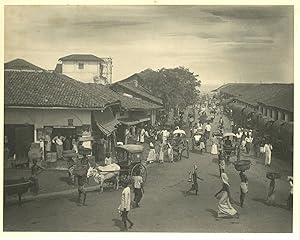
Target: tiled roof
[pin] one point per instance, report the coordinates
(49, 89)
(128, 83)
(81, 57)
(276, 95)
(283, 99)
(126, 102)
(21, 64)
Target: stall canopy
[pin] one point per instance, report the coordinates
(130, 121)
(105, 121)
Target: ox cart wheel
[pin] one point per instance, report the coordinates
(143, 171)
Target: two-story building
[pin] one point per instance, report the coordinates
(86, 68)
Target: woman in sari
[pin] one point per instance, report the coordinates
(152, 154)
(225, 208)
(214, 146)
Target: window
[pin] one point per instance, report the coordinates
(70, 122)
(80, 66)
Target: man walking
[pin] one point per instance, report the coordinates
(125, 205)
(138, 188)
(81, 180)
(207, 130)
(194, 178)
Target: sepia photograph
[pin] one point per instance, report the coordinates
(148, 118)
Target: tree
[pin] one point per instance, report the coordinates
(177, 87)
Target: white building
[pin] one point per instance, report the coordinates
(86, 68)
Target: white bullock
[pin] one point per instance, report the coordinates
(102, 174)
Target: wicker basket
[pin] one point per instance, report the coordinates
(242, 165)
(273, 175)
(84, 151)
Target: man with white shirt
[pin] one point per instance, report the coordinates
(138, 188)
(239, 135)
(290, 199)
(125, 205)
(207, 130)
(165, 135)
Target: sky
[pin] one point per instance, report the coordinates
(221, 44)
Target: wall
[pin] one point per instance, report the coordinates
(91, 69)
(40, 118)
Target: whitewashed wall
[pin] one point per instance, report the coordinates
(86, 75)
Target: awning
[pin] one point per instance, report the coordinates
(109, 127)
(130, 122)
(105, 121)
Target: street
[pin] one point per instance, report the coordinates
(166, 207)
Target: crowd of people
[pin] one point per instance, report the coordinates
(162, 140)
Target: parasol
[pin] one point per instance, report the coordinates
(179, 131)
(229, 135)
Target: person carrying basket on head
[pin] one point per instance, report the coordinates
(243, 187)
(194, 178)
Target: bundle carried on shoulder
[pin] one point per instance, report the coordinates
(273, 175)
(242, 165)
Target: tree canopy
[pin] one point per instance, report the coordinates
(177, 87)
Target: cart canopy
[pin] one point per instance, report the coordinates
(132, 148)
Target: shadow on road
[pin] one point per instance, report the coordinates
(65, 179)
(266, 204)
(215, 160)
(186, 193)
(118, 223)
(196, 151)
(73, 199)
(214, 175)
(213, 212)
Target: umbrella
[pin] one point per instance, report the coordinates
(179, 131)
(229, 135)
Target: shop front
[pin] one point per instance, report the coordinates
(24, 127)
